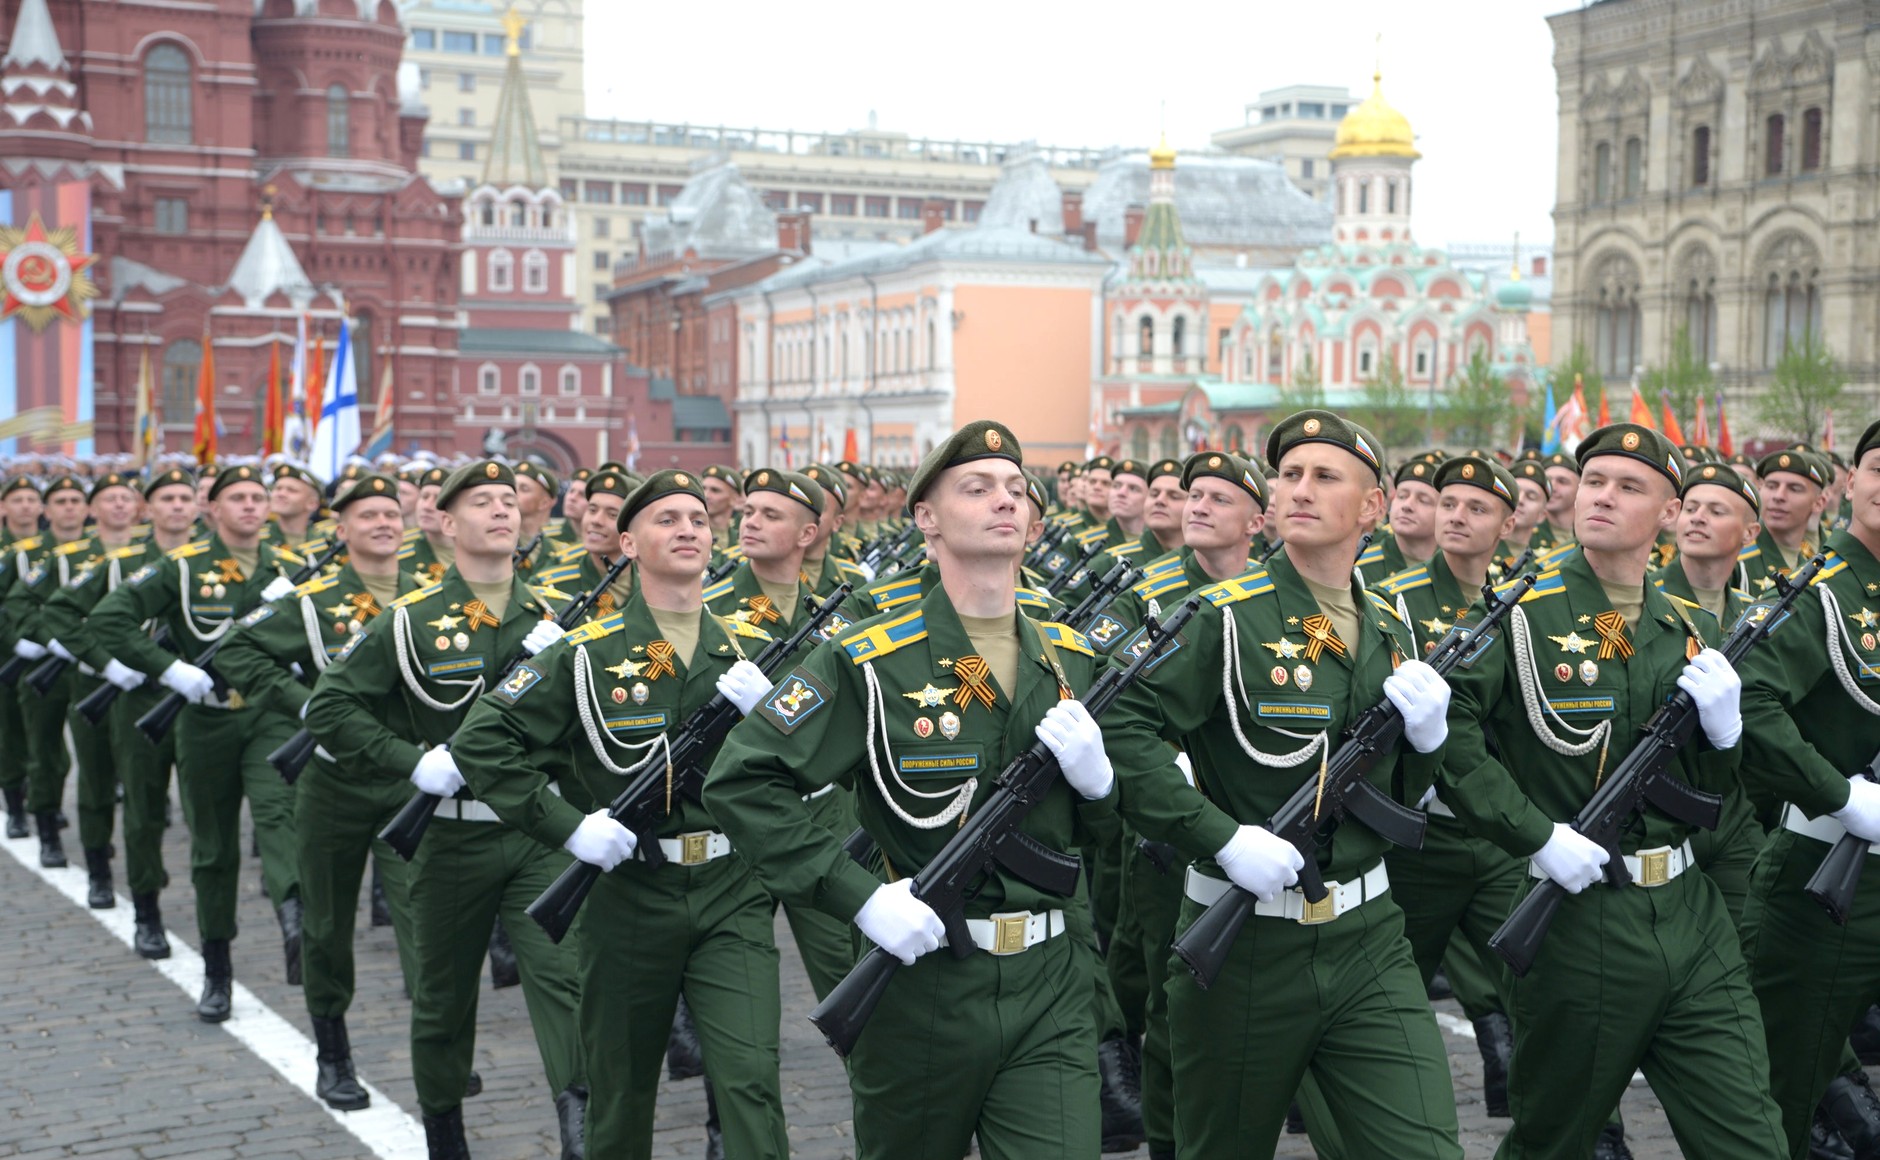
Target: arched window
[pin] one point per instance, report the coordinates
(518, 214)
(1145, 336)
(1367, 355)
(1791, 296)
(1811, 140)
(1700, 318)
(502, 270)
(1275, 357)
(531, 381)
(1602, 172)
(1634, 166)
(535, 272)
(1390, 203)
(1178, 338)
(1700, 156)
(182, 366)
(1616, 316)
(1171, 443)
(1423, 357)
(338, 122)
(168, 116)
(1139, 443)
(1772, 145)
(570, 381)
(488, 381)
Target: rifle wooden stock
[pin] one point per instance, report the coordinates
(637, 807)
(1343, 789)
(1643, 777)
(990, 836)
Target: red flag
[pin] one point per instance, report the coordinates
(1672, 430)
(272, 420)
(205, 404)
(1605, 415)
(316, 384)
(1700, 428)
(1725, 445)
(850, 451)
(1641, 414)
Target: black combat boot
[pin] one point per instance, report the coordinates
(290, 913)
(1853, 1109)
(1611, 1144)
(1495, 1039)
(149, 940)
(1824, 1139)
(103, 895)
(51, 850)
(684, 1058)
(1121, 1097)
(714, 1134)
(16, 812)
(336, 1083)
(571, 1114)
(218, 980)
(473, 1086)
(503, 969)
(381, 906)
(1295, 1120)
(443, 1136)
(1439, 988)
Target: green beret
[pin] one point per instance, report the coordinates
(1533, 453)
(540, 475)
(434, 477)
(170, 478)
(1101, 463)
(1416, 471)
(1869, 439)
(581, 475)
(64, 483)
(208, 471)
(372, 485)
(850, 467)
(1635, 442)
(1487, 474)
(1721, 475)
(411, 473)
(728, 475)
(230, 476)
(1035, 492)
(1808, 464)
(1069, 465)
(830, 480)
(351, 473)
(1226, 465)
(659, 485)
(483, 471)
(111, 479)
(289, 471)
(1162, 467)
(1533, 471)
(1742, 459)
(1834, 457)
(980, 439)
(1324, 427)
(608, 481)
(1562, 459)
(19, 483)
(613, 465)
(790, 484)
(1135, 467)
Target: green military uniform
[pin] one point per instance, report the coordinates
(1758, 565)
(1382, 557)
(1641, 976)
(16, 554)
(403, 686)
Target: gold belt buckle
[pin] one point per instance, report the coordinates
(1654, 869)
(692, 850)
(1322, 911)
(1008, 933)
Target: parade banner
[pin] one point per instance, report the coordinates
(384, 415)
(272, 424)
(203, 446)
(45, 319)
(337, 436)
(146, 436)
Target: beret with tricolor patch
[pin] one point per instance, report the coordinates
(659, 485)
(111, 479)
(1416, 471)
(980, 439)
(1324, 427)
(1228, 466)
(789, 484)
(1722, 475)
(540, 475)
(1638, 442)
(372, 485)
(724, 474)
(1532, 470)
(1477, 471)
(478, 474)
(1810, 465)
(831, 481)
(1035, 492)
(170, 478)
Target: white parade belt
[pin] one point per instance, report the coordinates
(1822, 829)
(1648, 867)
(1340, 897)
(1010, 934)
(471, 810)
(696, 848)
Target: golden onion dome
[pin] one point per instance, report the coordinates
(1163, 155)
(1375, 129)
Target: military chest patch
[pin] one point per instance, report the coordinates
(796, 698)
(511, 690)
(257, 616)
(1292, 711)
(453, 666)
(1476, 648)
(636, 722)
(835, 624)
(939, 763)
(1569, 705)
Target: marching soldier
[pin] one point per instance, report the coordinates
(827, 562)
(1563, 488)
(600, 545)
(1413, 522)
(428, 554)
(293, 500)
(221, 742)
(387, 708)
(1648, 975)
(724, 488)
(340, 809)
(1267, 675)
(1531, 477)
(918, 709)
(536, 489)
(1793, 491)
(699, 923)
(20, 505)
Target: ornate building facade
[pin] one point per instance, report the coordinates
(1718, 175)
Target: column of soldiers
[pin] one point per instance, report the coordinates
(437, 630)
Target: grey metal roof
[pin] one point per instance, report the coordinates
(1223, 201)
(34, 39)
(522, 340)
(982, 244)
(700, 413)
(267, 266)
(1025, 193)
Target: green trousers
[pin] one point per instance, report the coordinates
(1456, 884)
(337, 819)
(999, 1046)
(648, 935)
(1121, 936)
(1633, 978)
(48, 760)
(463, 875)
(1153, 903)
(222, 757)
(1339, 1001)
(145, 771)
(826, 943)
(46, 719)
(15, 765)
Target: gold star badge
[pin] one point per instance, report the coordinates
(445, 623)
(1765, 583)
(343, 608)
(625, 669)
(1292, 620)
(1573, 642)
(1585, 619)
(929, 697)
(1866, 617)
(1433, 625)
(1283, 649)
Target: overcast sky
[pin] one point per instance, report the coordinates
(1475, 78)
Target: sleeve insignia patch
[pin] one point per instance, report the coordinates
(795, 699)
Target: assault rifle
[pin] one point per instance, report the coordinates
(406, 829)
(93, 705)
(885, 549)
(990, 836)
(1107, 588)
(1071, 570)
(1644, 776)
(1341, 788)
(1838, 876)
(714, 575)
(1053, 536)
(155, 725)
(641, 806)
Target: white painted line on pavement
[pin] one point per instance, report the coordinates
(385, 1128)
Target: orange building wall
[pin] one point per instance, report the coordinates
(1021, 355)
(1221, 316)
(1540, 328)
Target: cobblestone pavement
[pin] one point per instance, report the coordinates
(103, 1055)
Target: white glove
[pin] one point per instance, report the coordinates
(865, 570)
(897, 922)
(185, 678)
(545, 633)
(1260, 862)
(278, 587)
(1861, 814)
(30, 650)
(122, 675)
(58, 650)
(1718, 691)
(1572, 859)
(1422, 696)
(600, 841)
(744, 685)
(1186, 766)
(1076, 740)
(436, 773)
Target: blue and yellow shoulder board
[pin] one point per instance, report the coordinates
(1383, 604)
(125, 553)
(720, 589)
(1032, 598)
(1408, 580)
(1162, 565)
(895, 593)
(571, 552)
(31, 544)
(596, 629)
(1125, 550)
(1160, 585)
(289, 556)
(849, 569)
(1371, 555)
(1239, 588)
(74, 547)
(1064, 636)
(1749, 553)
(1552, 557)
(878, 640)
(417, 596)
(743, 628)
(1832, 566)
(549, 592)
(193, 548)
(317, 585)
(1548, 583)
(557, 574)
